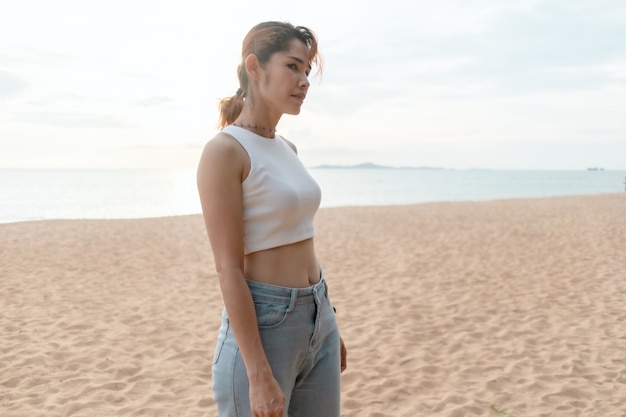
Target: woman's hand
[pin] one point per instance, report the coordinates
(344, 355)
(266, 398)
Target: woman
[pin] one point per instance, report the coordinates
(279, 351)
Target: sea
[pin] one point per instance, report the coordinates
(30, 195)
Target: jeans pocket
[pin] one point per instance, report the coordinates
(269, 315)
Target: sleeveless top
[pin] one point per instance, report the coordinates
(280, 198)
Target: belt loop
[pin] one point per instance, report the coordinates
(292, 301)
(318, 292)
(322, 276)
(325, 285)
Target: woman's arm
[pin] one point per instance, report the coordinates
(221, 170)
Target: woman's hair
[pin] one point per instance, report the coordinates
(264, 40)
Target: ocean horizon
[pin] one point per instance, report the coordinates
(30, 195)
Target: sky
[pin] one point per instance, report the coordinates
(459, 84)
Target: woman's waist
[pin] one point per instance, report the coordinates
(276, 294)
(292, 266)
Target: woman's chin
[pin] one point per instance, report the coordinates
(293, 111)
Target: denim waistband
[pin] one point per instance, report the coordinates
(287, 295)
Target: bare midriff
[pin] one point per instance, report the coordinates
(293, 265)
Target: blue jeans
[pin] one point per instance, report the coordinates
(301, 341)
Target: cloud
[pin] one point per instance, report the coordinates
(453, 50)
(154, 102)
(10, 84)
(75, 120)
(613, 70)
(20, 56)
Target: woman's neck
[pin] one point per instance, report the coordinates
(260, 123)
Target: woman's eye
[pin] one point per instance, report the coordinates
(292, 66)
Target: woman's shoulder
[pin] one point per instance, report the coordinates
(223, 149)
(224, 144)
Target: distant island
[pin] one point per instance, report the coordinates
(369, 165)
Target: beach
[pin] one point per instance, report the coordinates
(493, 308)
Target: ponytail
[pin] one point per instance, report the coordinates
(230, 108)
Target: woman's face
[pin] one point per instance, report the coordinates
(284, 79)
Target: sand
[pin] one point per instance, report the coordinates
(498, 308)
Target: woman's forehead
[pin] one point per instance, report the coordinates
(298, 51)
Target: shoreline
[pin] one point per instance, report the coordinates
(128, 194)
(326, 207)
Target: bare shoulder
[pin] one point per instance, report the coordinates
(223, 153)
(223, 145)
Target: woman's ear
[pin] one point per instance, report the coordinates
(253, 66)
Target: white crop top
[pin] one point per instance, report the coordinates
(280, 197)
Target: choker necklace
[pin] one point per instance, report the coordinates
(257, 127)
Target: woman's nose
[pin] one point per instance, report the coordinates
(304, 82)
